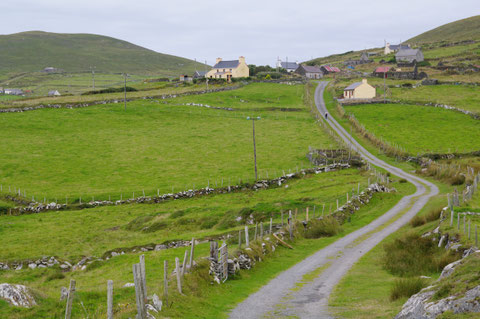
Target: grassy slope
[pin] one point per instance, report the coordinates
(95, 231)
(79, 52)
(465, 29)
(103, 150)
(419, 129)
(202, 301)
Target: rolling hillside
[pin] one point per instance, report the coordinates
(465, 29)
(35, 50)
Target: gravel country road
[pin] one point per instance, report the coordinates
(277, 299)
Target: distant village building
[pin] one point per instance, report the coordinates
(199, 74)
(407, 73)
(185, 78)
(392, 48)
(289, 66)
(409, 55)
(54, 93)
(364, 58)
(2, 91)
(359, 90)
(13, 92)
(381, 71)
(50, 69)
(310, 72)
(326, 69)
(229, 69)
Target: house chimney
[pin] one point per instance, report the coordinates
(364, 81)
(218, 60)
(241, 59)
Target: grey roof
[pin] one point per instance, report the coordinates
(311, 69)
(353, 86)
(399, 47)
(52, 92)
(408, 52)
(200, 73)
(15, 91)
(289, 65)
(226, 64)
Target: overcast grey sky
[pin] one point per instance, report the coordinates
(260, 30)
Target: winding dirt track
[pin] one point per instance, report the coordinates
(277, 299)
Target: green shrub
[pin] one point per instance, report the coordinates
(111, 90)
(433, 215)
(406, 287)
(139, 223)
(156, 226)
(322, 228)
(417, 221)
(442, 292)
(412, 255)
(423, 63)
(55, 276)
(228, 220)
(208, 222)
(403, 180)
(178, 213)
(457, 179)
(95, 264)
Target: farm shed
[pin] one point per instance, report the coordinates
(310, 72)
(409, 55)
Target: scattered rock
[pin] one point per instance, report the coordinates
(17, 295)
(128, 285)
(63, 293)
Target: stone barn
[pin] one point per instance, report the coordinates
(310, 72)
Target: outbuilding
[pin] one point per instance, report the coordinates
(409, 55)
(309, 71)
(359, 90)
(54, 93)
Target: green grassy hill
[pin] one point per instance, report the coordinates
(33, 51)
(465, 29)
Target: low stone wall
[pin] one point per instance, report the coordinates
(113, 101)
(36, 207)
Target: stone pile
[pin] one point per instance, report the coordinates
(17, 295)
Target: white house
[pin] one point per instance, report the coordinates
(54, 93)
(359, 90)
(289, 66)
(390, 48)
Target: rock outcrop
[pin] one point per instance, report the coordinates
(17, 295)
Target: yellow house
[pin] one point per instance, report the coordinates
(359, 90)
(229, 69)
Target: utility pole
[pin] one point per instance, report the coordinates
(125, 90)
(385, 85)
(93, 76)
(254, 144)
(206, 78)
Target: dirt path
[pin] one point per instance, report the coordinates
(278, 299)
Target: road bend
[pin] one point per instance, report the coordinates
(286, 295)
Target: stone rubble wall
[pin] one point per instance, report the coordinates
(37, 207)
(112, 101)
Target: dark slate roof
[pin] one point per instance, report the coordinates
(407, 52)
(200, 73)
(353, 86)
(311, 69)
(399, 47)
(289, 65)
(226, 64)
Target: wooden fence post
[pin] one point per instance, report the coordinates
(306, 215)
(282, 218)
(476, 236)
(137, 279)
(469, 228)
(192, 250)
(165, 282)
(71, 294)
(143, 277)
(240, 239)
(290, 222)
(271, 225)
(184, 264)
(464, 224)
(247, 243)
(261, 230)
(110, 299)
(179, 278)
(256, 230)
(458, 221)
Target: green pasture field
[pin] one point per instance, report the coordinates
(157, 91)
(6, 97)
(105, 228)
(465, 97)
(258, 96)
(202, 299)
(419, 129)
(105, 151)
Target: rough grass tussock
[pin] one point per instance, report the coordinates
(406, 287)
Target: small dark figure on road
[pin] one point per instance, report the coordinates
(326, 115)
